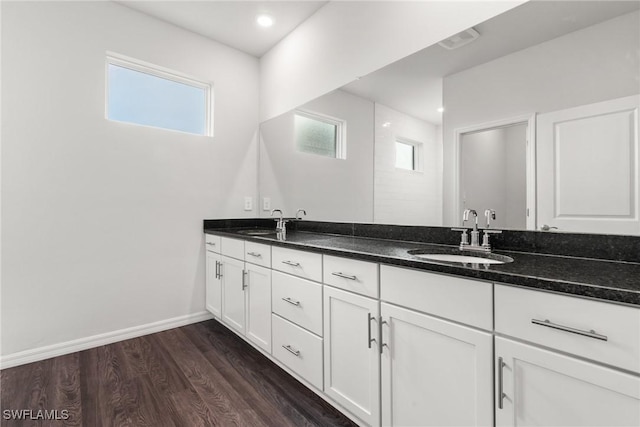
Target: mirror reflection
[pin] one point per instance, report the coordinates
(497, 155)
(539, 124)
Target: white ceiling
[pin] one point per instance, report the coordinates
(231, 22)
(413, 85)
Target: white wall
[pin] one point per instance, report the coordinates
(590, 65)
(102, 221)
(401, 196)
(328, 189)
(349, 39)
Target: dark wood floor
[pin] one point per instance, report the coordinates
(197, 375)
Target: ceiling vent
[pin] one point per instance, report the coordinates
(460, 39)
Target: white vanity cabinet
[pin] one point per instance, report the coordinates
(435, 372)
(246, 290)
(538, 387)
(555, 385)
(600, 331)
(296, 301)
(307, 265)
(213, 289)
(258, 305)
(398, 347)
(233, 295)
(352, 352)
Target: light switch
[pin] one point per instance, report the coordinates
(266, 204)
(248, 203)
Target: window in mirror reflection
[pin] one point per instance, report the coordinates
(320, 134)
(407, 155)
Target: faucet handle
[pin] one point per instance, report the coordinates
(490, 214)
(485, 238)
(464, 238)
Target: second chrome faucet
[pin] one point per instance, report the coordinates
(281, 224)
(475, 245)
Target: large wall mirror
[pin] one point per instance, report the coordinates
(533, 114)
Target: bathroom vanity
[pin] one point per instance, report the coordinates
(392, 339)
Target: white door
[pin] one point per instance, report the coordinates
(213, 291)
(233, 306)
(543, 388)
(258, 300)
(588, 160)
(351, 353)
(434, 373)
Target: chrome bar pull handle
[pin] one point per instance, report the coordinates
(291, 350)
(345, 276)
(382, 343)
(590, 334)
(291, 263)
(292, 302)
(501, 394)
(217, 269)
(369, 319)
(255, 254)
(244, 279)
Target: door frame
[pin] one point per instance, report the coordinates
(530, 120)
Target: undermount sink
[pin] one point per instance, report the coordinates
(481, 258)
(258, 232)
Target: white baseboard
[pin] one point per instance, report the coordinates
(46, 352)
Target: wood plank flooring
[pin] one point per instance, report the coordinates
(197, 375)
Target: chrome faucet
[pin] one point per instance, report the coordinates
(281, 225)
(299, 211)
(489, 214)
(475, 232)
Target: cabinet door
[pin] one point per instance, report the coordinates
(351, 353)
(258, 299)
(213, 289)
(544, 388)
(434, 372)
(233, 306)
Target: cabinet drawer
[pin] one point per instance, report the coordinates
(297, 300)
(299, 263)
(356, 276)
(463, 300)
(256, 253)
(233, 248)
(524, 313)
(212, 243)
(299, 350)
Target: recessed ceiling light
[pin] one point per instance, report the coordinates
(440, 110)
(264, 20)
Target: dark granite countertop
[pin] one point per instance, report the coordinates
(607, 280)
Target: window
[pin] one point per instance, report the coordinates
(407, 155)
(319, 134)
(145, 95)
